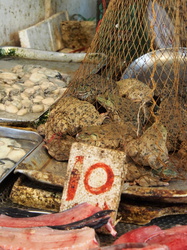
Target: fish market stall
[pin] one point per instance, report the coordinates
(108, 160)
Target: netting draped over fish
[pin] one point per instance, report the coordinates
(135, 74)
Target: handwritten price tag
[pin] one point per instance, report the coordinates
(94, 175)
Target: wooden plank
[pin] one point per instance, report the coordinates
(94, 175)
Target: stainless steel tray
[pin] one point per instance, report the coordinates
(41, 167)
(29, 140)
(12, 56)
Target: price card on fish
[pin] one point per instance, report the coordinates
(94, 175)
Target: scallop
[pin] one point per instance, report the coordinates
(36, 100)
(26, 103)
(59, 83)
(17, 104)
(36, 77)
(36, 108)
(4, 147)
(28, 83)
(22, 111)
(36, 87)
(17, 98)
(2, 94)
(16, 154)
(46, 85)
(7, 102)
(39, 97)
(62, 91)
(11, 109)
(17, 69)
(56, 91)
(17, 86)
(7, 90)
(48, 101)
(29, 91)
(2, 107)
(5, 166)
(14, 92)
(51, 73)
(24, 96)
(30, 88)
(8, 76)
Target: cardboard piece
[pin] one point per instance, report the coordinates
(94, 175)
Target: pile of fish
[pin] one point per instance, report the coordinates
(151, 237)
(75, 229)
(30, 89)
(47, 238)
(10, 153)
(70, 229)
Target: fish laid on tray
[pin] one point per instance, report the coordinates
(47, 238)
(174, 238)
(79, 216)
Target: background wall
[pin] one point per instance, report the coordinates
(20, 14)
(87, 8)
(16, 15)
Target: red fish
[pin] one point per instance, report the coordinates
(134, 246)
(46, 238)
(77, 217)
(175, 238)
(138, 235)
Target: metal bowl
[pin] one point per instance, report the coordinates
(163, 66)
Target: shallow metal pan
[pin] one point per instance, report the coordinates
(29, 141)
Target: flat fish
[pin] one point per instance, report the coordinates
(47, 238)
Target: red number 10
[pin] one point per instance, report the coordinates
(75, 177)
